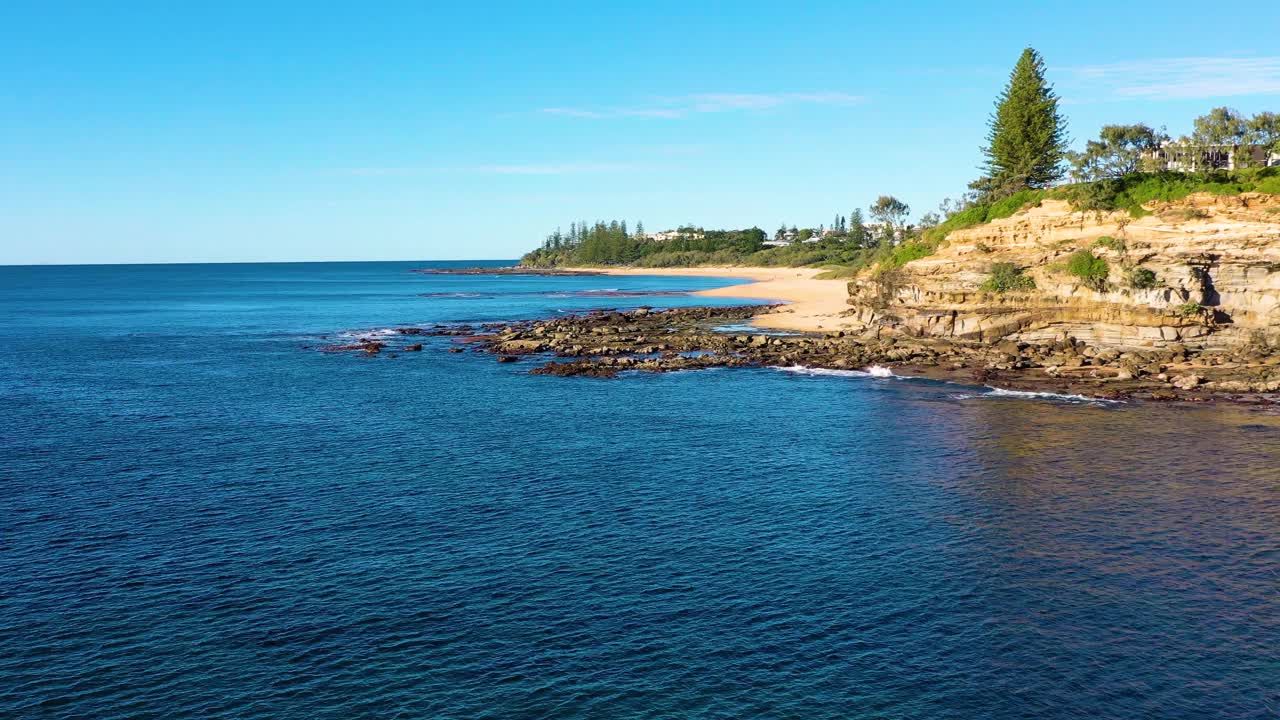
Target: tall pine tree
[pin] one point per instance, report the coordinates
(1028, 140)
(857, 230)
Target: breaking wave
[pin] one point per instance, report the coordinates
(1033, 395)
(879, 371)
(875, 371)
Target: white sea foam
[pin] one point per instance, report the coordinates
(821, 372)
(874, 371)
(1031, 395)
(879, 371)
(371, 332)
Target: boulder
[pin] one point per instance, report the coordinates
(521, 346)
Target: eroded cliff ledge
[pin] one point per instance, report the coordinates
(1216, 261)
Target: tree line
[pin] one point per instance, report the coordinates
(610, 243)
(1219, 137)
(1027, 141)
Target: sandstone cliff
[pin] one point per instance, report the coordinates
(1216, 259)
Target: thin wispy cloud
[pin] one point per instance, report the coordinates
(1182, 78)
(710, 103)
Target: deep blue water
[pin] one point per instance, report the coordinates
(201, 517)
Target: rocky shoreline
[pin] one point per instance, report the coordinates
(605, 343)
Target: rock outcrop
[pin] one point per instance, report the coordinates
(1216, 260)
(606, 343)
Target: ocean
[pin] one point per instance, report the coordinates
(203, 515)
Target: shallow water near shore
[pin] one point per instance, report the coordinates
(205, 516)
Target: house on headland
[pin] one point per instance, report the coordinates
(1184, 156)
(685, 232)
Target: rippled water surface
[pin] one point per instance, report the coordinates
(200, 517)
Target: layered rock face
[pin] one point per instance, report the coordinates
(1216, 259)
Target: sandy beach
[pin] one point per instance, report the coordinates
(813, 305)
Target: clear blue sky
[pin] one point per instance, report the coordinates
(232, 131)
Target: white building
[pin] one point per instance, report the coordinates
(1183, 156)
(673, 234)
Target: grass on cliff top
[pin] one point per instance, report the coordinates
(1131, 192)
(929, 241)
(1126, 193)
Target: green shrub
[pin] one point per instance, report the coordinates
(1141, 278)
(1005, 277)
(981, 213)
(689, 258)
(968, 217)
(1131, 192)
(906, 252)
(1188, 309)
(840, 272)
(1106, 241)
(1091, 269)
(1015, 202)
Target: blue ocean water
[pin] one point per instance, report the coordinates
(203, 516)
